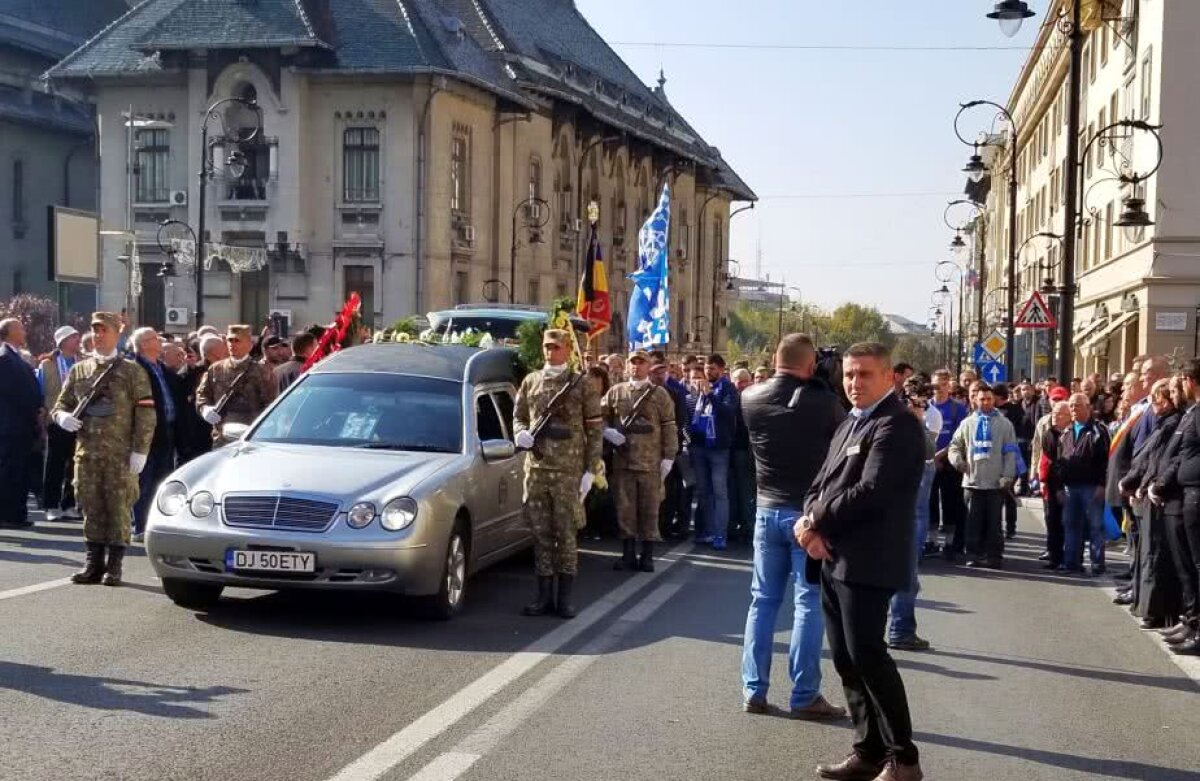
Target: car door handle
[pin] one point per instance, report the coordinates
(503, 491)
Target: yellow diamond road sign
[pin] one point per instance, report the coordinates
(994, 344)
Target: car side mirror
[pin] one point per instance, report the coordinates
(234, 431)
(497, 450)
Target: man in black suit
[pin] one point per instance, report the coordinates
(160, 461)
(859, 521)
(20, 400)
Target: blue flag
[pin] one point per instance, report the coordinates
(650, 304)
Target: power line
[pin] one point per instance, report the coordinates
(824, 47)
(839, 196)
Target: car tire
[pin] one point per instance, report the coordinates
(194, 596)
(452, 590)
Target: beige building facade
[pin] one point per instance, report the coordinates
(457, 172)
(1138, 291)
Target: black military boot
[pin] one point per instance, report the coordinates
(93, 570)
(628, 560)
(646, 562)
(565, 584)
(545, 598)
(116, 556)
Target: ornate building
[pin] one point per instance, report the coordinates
(401, 144)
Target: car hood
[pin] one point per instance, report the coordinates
(349, 473)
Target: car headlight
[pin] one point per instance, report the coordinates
(360, 515)
(399, 514)
(202, 504)
(172, 498)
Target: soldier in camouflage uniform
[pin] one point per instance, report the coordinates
(113, 435)
(555, 484)
(645, 452)
(252, 395)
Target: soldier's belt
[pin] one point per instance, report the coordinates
(556, 433)
(640, 427)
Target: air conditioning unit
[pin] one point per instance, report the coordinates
(179, 197)
(177, 317)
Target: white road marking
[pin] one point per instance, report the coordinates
(460, 759)
(35, 588)
(404, 743)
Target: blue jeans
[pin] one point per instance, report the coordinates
(778, 560)
(712, 491)
(903, 621)
(1082, 514)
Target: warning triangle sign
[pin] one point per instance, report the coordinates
(1035, 314)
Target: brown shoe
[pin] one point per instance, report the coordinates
(819, 709)
(894, 771)
(852, 768)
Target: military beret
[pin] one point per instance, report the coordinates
(556, 336)
(238, 330)
(108, 320)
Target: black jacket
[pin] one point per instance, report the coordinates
(164, 435)
(1016, 416)
(863, 501)
(1083, 460)
(1031, 412)
(20, 399)
(1182, 469)
(193, 436)
(1153, 462)
(790, 423)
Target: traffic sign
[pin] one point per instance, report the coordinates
(1035, 314)
(993, 372)
(980, 355)
(994, 345)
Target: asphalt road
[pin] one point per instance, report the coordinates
(1032, 676)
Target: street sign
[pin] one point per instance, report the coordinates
(993, 372)
(980, 355)
(1035, 314)
(994, 345)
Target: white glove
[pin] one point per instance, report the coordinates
(664, 468)
(614, 436)
(585, 484)
(137, 462)
(210, 415)
(67, 422)
(524, 440)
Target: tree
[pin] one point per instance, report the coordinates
(919, 351)
(40, 316)
(852, 323)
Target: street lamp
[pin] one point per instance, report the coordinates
(537, 214)
(1133, 218)
(1012, 180)
(975, 168)
(579, 203)
(236, 163)
(171, 245)
(1011, 14)
(958, 247)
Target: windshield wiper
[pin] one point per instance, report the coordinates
(402, 446)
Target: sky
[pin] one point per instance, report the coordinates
(808, 127)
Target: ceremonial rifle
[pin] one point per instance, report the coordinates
(627, 421)
(90, 396)
(224, 401)
(555, 401)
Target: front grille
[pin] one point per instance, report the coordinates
(279, 512)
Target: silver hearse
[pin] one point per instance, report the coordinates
(387, 467)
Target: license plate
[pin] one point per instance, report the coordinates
(270, 561)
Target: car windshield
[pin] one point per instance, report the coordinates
(500, 327)
(377, 411)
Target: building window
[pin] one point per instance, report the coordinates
(1104, 33)
(535, 291)
(360, 165)
(535, 179)
(152, 166)
(460, 172)
(361, 280)
(1108, 231)
(18, 198)
(1147, 79)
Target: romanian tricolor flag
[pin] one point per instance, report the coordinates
(593, 303)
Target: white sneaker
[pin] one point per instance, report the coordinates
(53, 515)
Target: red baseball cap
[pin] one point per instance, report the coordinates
(1059, 393)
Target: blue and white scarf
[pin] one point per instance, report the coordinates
(982, 446)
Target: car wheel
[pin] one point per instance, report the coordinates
(194, 596)
(453, 589)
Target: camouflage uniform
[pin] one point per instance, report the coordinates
(252, 396)
(570, 445)
(650, 439)
(119, 421)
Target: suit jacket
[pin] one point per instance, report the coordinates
(20, 399)
(164, 434)
(193, 436)
(863, 501)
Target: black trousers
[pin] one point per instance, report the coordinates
(946, 508)
(983, 537)
(855, 624)
(15, 456)
(1010, 512)
(58, 493)
(675, 513)
(1158, 588)
(1052, 512)
(1184, 535)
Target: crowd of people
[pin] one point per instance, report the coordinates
(195, 387)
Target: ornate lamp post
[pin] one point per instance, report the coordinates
(537, 214)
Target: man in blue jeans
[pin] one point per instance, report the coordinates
(902, 625)
(1081, 469)
(791, 419)
(715, 403)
